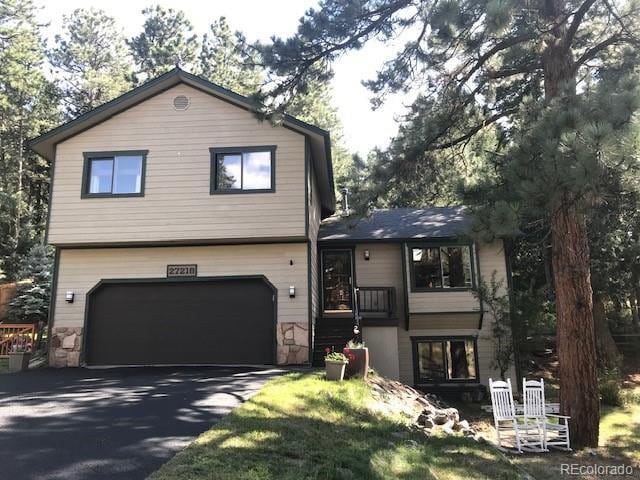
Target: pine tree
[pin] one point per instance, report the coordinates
(223, 60)
(527, 66)
(27, 108)
(91, 58)
(165, 41)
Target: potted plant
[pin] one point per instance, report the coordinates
(20, 354)
(334, 364)
(358, 356)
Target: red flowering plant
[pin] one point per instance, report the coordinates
(333, 356)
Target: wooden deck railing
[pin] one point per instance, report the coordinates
(376, 301)
(15, 334)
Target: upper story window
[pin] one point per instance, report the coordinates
(441, 267)
(243, 169)
(114, 174)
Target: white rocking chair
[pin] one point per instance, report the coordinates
(524, 436)
(556, 434)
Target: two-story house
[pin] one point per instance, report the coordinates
(188, 231)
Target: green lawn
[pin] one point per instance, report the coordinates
(619, 443)
(302, 427)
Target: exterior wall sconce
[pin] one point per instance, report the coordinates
(367, 255)
(69, 297)
(292, 291)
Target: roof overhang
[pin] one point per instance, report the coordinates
(319, 139)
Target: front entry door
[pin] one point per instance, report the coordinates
(337, 282)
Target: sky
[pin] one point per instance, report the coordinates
(364, 129)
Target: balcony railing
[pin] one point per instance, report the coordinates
(376, 302)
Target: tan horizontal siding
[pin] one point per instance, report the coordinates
(444, 320)
(383, 269)
(80, 270)
(176, 203)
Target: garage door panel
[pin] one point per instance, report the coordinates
(208, 322)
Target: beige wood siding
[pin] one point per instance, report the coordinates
(315, 214)
(176, 203)
(492, 258)
(80, 270)
(444, 320)
(439, 301)
(383, 269)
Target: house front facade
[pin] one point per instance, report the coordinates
(189, 232)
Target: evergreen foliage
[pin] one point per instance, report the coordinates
(28, 106)
(31, 303)
(555, 79)
(91, 60)
(166, 40)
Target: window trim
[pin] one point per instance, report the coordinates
(438, 245)
(215, 151)
(86, 174)
(417, 380)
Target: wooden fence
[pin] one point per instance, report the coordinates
(19, 334)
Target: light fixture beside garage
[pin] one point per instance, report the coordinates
(367, 255)
(292, 291)
(69, 297)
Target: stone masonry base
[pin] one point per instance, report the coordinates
(293, 343)
(65, 346)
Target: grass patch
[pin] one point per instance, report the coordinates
(300, 426)
(619, 442)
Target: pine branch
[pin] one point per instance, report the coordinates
(575, 23)
(510, 72)
(593, 51)
(473, 130)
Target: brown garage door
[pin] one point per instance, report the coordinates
(212, 321)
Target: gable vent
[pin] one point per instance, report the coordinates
(181, 102)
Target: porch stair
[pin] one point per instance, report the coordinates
(330, 333)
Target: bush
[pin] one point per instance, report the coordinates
(612, 393)
(31, 303)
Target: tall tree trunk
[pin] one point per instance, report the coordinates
(608, 353)
(579, 396)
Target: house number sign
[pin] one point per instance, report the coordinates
(182, 270)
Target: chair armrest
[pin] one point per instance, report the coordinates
(553, 415)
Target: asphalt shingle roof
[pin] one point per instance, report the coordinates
(398, 224)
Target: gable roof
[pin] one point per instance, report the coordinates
(398, 224)
(319, 139)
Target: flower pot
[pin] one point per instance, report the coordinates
(358, 362)
(334, 369)
(19, 361)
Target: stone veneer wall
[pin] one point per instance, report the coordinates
(65, 347)
(293, 343)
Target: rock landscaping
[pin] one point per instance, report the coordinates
(424, 411)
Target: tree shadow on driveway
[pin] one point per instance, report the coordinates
(111, 424)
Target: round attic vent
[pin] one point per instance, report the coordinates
(181, 102)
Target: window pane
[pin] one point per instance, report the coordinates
(127, 176)
(431, 361)
(426, 267)
(461, 359)
(456, 266)
(229, 171)
(256, 171)
(101, 175)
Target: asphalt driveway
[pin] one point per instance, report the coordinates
(111, 424)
